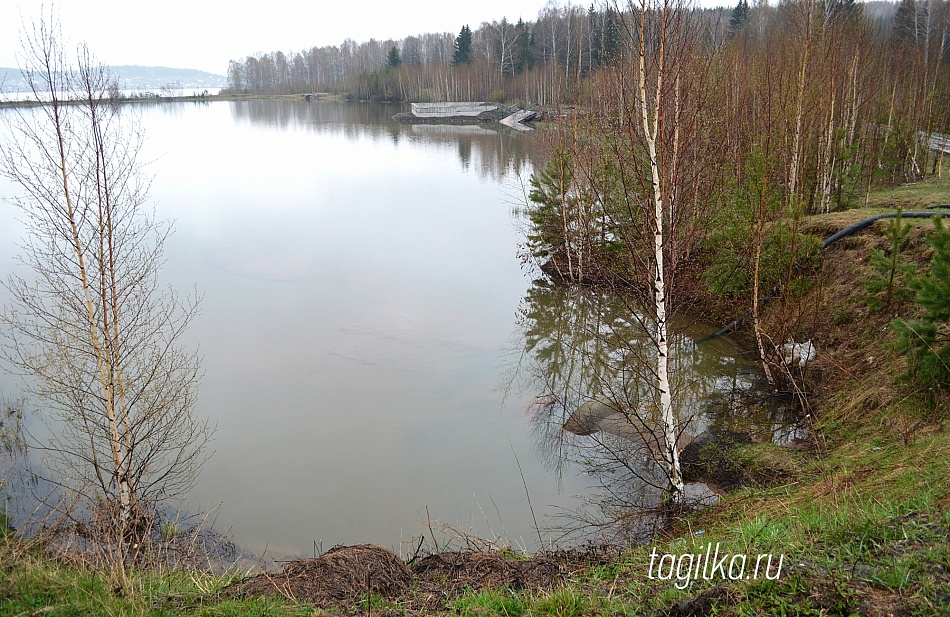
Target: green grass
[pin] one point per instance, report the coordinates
(564, 602)
(927, 192)
(31, 584)
(490, 602)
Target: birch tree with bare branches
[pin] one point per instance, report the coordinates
(92, 330)
(640, 165)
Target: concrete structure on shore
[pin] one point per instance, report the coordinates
(515, 120)
(444, 110)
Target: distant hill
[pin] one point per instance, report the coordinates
(136, 78)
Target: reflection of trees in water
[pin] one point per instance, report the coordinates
(351, 119)
(492, 154)
(19, 485)
(591, 362)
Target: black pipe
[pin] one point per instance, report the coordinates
(847, 231)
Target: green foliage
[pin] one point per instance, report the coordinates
(379, 85)
(848, 175)
(392, 59)
(763, 464)
(463, 46)
(169, 530)
(578, 227)
(605, 35)
(551, 194)
(897, 147)
(888, 279)
(6, 526)
(926, 342)
(933, 290)
(731, 243)
(738, 18)
(32, 584)
(373, 602)
(524, 48)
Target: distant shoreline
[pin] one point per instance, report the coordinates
(195, 98)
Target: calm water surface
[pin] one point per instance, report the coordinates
(364, 315)
(361, 290)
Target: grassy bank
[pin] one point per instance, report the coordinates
(856, 519)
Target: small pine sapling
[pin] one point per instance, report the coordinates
(926, 342)
(888, 282)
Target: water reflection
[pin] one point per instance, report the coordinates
(590, 359)
(361, 281)
(493, 154)
(360, 285)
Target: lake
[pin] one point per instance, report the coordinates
(371, 342)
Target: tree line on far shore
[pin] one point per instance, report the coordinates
(545, 61)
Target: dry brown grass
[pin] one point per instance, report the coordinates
(345, 572)
(346, 575)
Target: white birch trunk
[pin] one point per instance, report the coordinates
(671, 456)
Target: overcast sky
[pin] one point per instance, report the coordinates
(205, 34)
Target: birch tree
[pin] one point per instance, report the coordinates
(92, 330)
(641, 168)
(651, 123)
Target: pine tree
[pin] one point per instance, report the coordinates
(551, 209)
(927, 341)
(463, 46)
(888, 268)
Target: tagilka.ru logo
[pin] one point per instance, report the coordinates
(688, 567)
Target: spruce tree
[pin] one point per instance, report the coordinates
(463, 46)
(523, 47)
(610, 39)
(739, 16)
(596, 36)
(393, 60)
